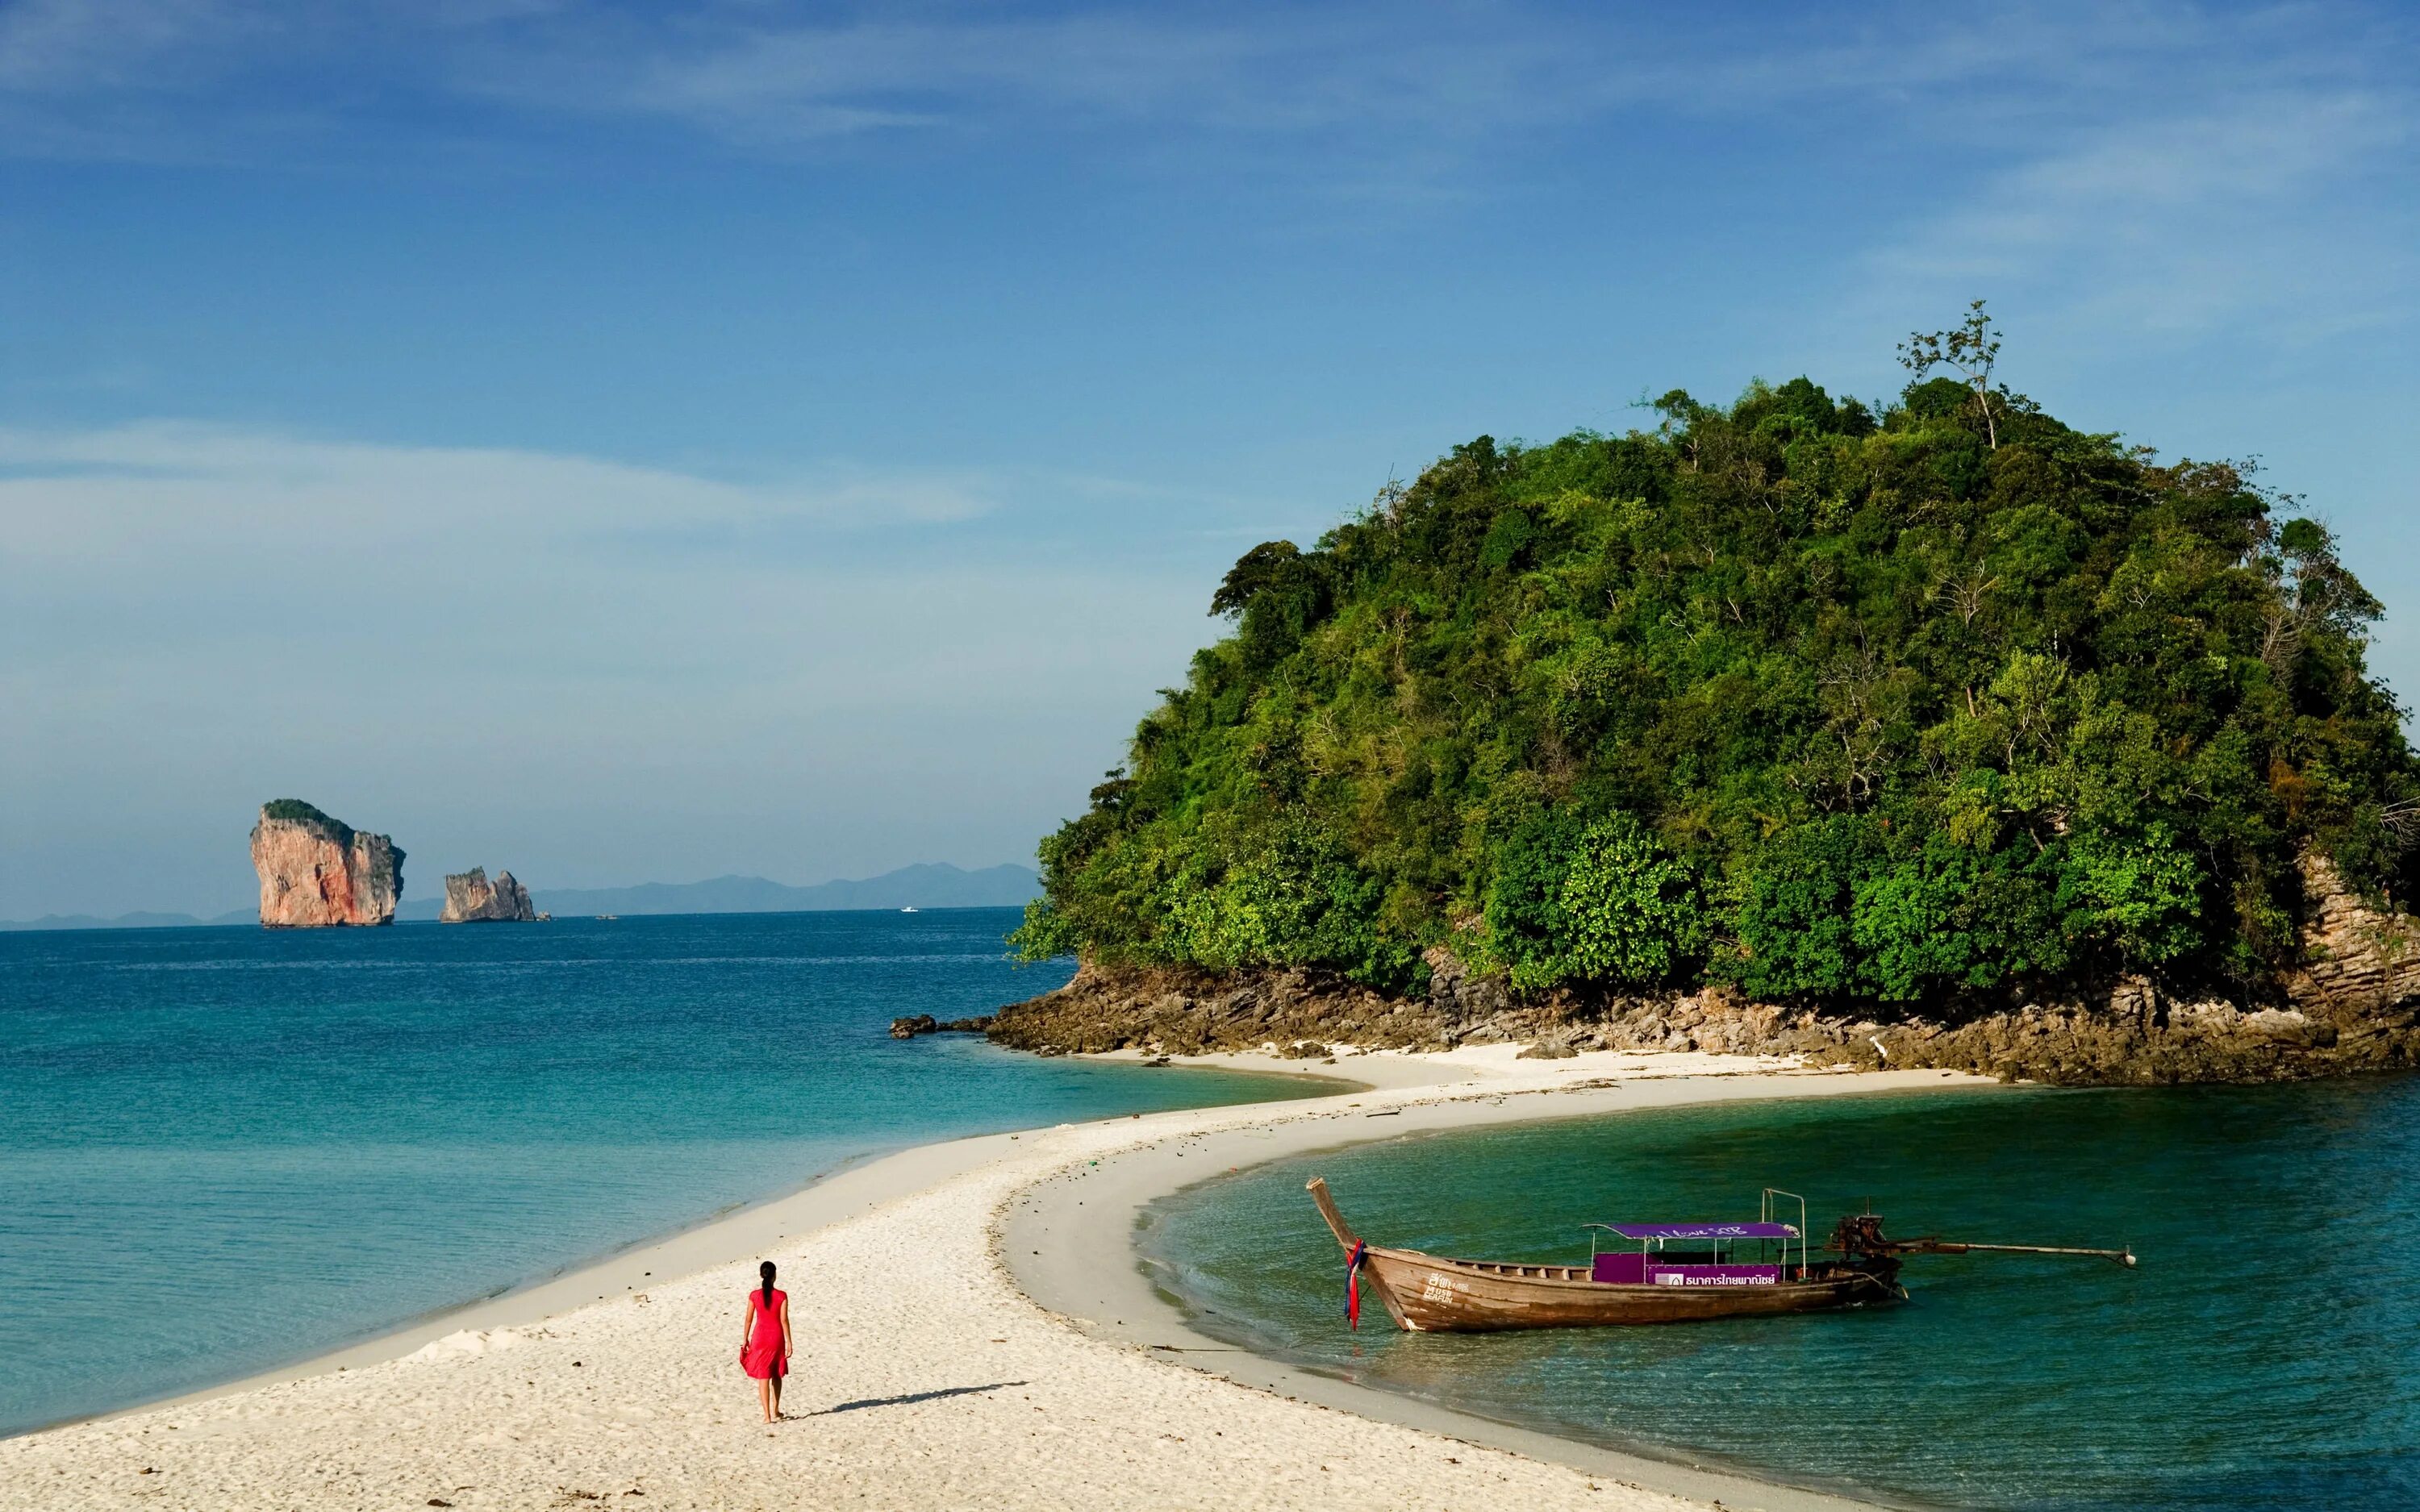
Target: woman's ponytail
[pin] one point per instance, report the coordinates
(766, 1271)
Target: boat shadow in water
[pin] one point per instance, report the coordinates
(914, 1397)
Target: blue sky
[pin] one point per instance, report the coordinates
(617, 444)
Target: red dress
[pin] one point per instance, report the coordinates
(764, 1358)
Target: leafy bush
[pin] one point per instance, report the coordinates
(1594, 901)
(2140, 900)
(1797, 921)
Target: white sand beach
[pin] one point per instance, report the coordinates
(933, 1372)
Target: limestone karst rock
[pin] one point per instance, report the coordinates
(2358, 961)
(470, 898)
(316, 871)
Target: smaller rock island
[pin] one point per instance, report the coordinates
(317, 872)
(472, 899)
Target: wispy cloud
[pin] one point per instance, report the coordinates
(2117, 177)
(123, 77)
(141, 547)
(66, 48)
(1262, 74)
(192, 612)
(2281, 217)
(1351, 76)
(1349, 82)
(147, 79)
(91, 494)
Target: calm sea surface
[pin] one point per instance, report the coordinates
(2266, 1354)
(225, 1149)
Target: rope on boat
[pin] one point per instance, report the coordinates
(1353, 1283)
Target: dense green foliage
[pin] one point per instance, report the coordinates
(295, 811)
(1838, 706)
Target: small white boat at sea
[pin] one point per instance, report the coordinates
(907, 910)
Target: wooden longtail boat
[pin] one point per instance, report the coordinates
(1653, 1283)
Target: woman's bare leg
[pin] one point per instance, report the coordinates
(777, 1396)
(764, 1399)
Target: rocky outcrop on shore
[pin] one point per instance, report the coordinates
(317, 872)
(1184, 1012)
(916, 1023)
(2357, 961)
(472, 899)
(2139, 1033)
(2355, 1005)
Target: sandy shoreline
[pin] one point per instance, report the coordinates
(927, 1377)
(857, 1185)
(1069, 1240)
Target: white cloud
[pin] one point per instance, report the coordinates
(97, 492)
(1370, 80)
(64, 46)
(803, 680)
(182, 77)
(170, 539)
(2289, 212)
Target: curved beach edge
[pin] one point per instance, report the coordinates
(926, 1378)
(1069, 1242)
(855, 1186)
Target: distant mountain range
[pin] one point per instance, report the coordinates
(241, 915)
(931, 884)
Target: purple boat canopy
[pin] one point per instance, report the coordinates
(1703, 1230)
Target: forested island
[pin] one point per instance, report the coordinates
(1937, 732)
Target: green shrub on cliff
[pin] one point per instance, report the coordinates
(296, 811)
(1837, 705)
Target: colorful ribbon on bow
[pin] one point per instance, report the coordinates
(1353, 1283)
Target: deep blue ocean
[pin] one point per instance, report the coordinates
(2266, 1354)
(223, 1150)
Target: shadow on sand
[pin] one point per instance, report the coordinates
(915, 1396)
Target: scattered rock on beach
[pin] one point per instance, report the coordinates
(1548, 1050)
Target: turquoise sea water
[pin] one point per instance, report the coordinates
(2266, 1354)
(225, 1149)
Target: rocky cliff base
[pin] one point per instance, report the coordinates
(2354, 1005)
(2137, 1035)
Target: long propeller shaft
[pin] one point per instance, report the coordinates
(1938, 1247)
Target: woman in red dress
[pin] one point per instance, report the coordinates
(765, 1341)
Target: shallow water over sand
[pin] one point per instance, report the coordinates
(2267, 1354)
(221, 1150)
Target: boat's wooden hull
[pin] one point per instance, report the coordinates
(1429, 1293)
(1432, 1294)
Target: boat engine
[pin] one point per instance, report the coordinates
(1860, 1237)
(1860, 1234)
